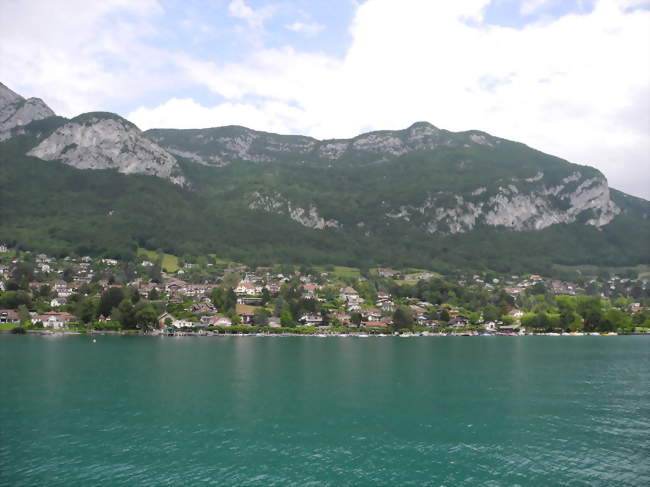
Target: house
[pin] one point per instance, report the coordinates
(245, 313)
(182, 324)
(459, 321)
(60, 285)
(175, 286)
(9, 316)
(311, 319)
(273, 288)
(387, 306)
(221, 321)
(386, 272)
(349, 295)
(371, 314)
(162, 318)
(341, 316)
(56, 302)
(516, 313)
(55, 319)
(248, 289)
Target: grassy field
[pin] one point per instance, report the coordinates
(169, 264)
(593, 271)
(341, 272)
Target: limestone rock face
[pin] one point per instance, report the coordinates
(534, 209)
(107, 141)
(276, 203)
(16, 111)
(220, 146)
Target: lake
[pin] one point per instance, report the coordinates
(253, 411)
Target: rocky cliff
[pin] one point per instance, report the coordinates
(447, 182)
(16, 111)
(107, 141)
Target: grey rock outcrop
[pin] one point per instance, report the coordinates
(307, 217)
(107, 141)
(16, 111)
(532, 210)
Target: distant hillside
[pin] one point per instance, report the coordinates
(421, 196)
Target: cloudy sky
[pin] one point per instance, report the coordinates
(569, 77)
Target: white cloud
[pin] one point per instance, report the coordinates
(529, 7)
(309, 29)
(255, 18)
(79, 55)
(575, 87)
(186, 113)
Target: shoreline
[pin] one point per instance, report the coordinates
(312, 335)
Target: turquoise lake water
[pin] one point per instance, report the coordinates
(247, 411)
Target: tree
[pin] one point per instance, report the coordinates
(590, 308)
(68, 274)
(286, 319)
(86, 310)
(125, 314)
(444, 316)
(615, 319)
(146, 317)
(261, 317)
(23, 314)
(491, 313)
(111, 298)
(403, 318)
(45, 291)
(355, 317)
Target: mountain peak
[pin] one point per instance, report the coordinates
(8, 97)
(15, 111)
(103, 140)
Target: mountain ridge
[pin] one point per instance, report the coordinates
(419, 195)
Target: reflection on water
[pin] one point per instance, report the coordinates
(336, 411)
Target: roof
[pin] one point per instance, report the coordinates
(375, 324)
(245, 309)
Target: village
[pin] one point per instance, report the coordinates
(40, 293)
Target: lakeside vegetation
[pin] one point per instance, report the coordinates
(209, 296)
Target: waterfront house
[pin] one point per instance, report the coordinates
(9, 316)
(245, 313)
(459, 321)
(162, 318)
(55, 319)
(311, 319)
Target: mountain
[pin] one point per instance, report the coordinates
(421, 196)
(101, 140)
(449, 182)
(15, 111)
